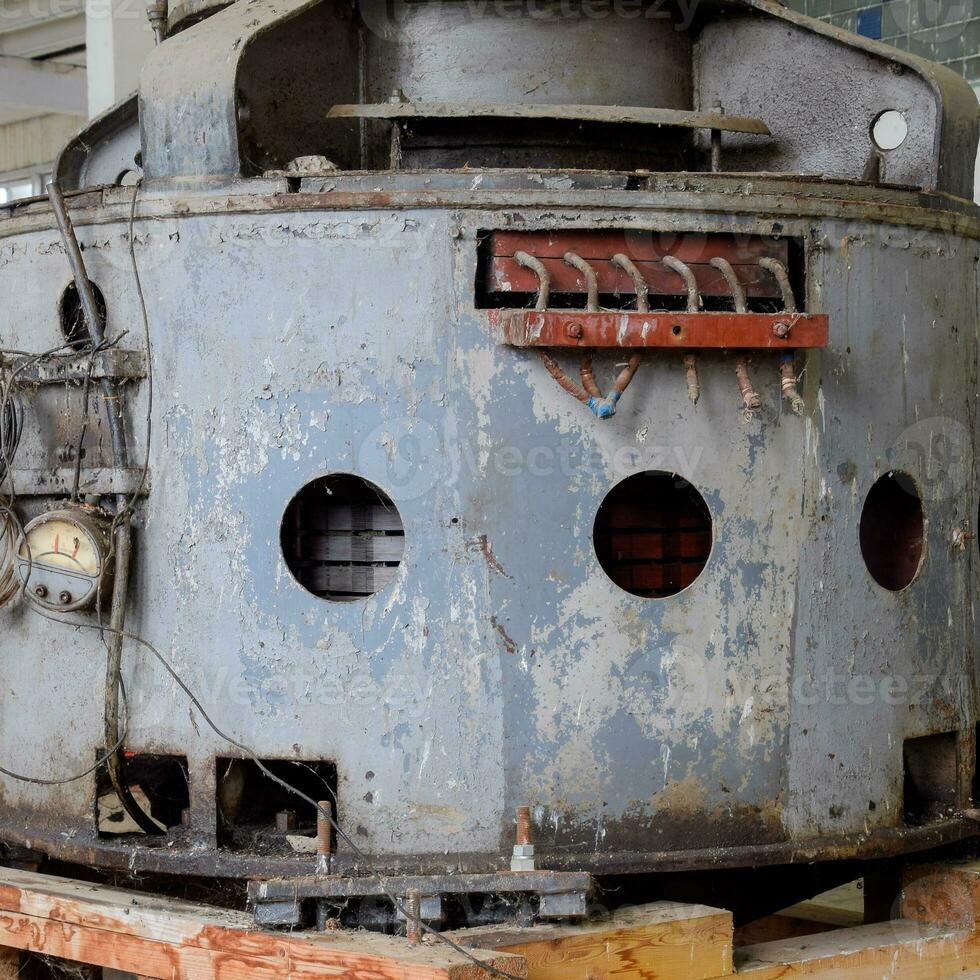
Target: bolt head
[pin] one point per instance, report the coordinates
(41, 592)
(64, 598)
(781, 329)
(575, 331)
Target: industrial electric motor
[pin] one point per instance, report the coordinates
(562, 413)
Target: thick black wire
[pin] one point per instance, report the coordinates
(11, 427)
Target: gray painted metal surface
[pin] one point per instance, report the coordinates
(716, 718)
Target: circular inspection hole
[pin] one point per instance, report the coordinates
(653, 534)
(74, 326)
(889, 130)
(892, 531)
(342, 538)
(677, 329)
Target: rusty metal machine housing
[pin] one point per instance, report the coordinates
(428, 286)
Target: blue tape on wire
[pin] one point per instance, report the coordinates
(604, 408)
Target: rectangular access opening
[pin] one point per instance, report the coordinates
(505, 283)
(931, 777)
(160, 784)
(975, 789)
(258, 816)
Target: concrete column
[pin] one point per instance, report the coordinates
(117, 37)
(976, 178)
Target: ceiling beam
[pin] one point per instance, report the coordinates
(43, 37)
(43, 86)
(17, 15)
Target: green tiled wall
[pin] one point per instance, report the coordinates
(947, 31)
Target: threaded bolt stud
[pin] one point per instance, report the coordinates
(413, 916)
(324, 828)
(523, 825)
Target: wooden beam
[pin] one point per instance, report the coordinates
(946, 894)
(160, 937)
(901, 949)
(43, 85)
(663, 939)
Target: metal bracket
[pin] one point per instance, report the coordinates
(682, 331)
(561, 894)
(113, 365)
(102, 481)
(635, 115)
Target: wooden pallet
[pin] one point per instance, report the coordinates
(155, 938)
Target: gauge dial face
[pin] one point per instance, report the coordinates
(63, 544)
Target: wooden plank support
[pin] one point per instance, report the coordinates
(663, 939)
(901, 949)
(945, 894)
(166, 939)
(935, 938)
(682, 331)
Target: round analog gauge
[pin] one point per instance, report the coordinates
(64, 557)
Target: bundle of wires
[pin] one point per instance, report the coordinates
(9, 536)
(11, 425)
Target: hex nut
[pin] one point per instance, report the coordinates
(524, 850)
(522, 864)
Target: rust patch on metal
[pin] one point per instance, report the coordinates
(490, 557)
(509, 645)
(682, 331)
